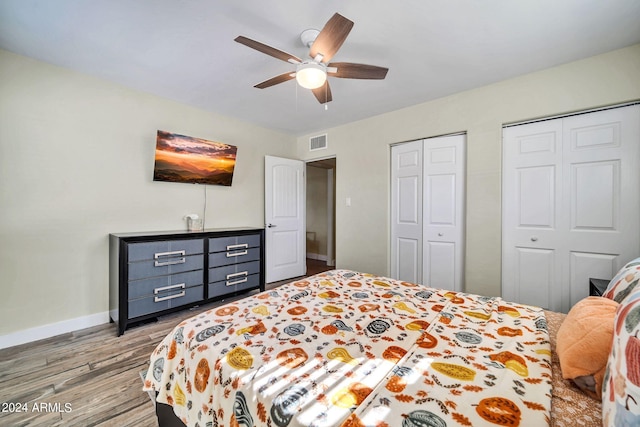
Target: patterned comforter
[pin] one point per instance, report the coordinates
(349, 349)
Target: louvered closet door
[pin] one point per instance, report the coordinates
(571, 197)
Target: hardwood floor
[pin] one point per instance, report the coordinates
(88, 377)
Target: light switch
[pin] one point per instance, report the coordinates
(348, 201)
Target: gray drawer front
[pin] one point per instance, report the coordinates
(146, 269)
(233, 272)
(221, 288)
(149, 305)
(233, 257)
(146, 287)
(220, 244)
(148, 250)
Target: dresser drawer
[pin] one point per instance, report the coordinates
(172, 265)
(234, 285)
(234, 243)
(233, 272)
(164, 251)
(165, 300)
(147, 287)
(233, 257)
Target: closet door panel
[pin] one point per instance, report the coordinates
(571, 190)
(427, 211)
(601, 163)
(442, 262)
(587, 265)
(406, 212)
(532, 156)
(535, 280)
(444, 171)
(407, 260)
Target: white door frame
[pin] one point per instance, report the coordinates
(331, 260)
(331, 208)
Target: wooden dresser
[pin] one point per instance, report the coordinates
(155, 273)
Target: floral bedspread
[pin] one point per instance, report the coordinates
(349, 349)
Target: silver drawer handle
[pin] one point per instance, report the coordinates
(229, 254)
(158, 263)
(232, 275)
(242, 245)
(237, 282)
(156, 291)
(158, 299)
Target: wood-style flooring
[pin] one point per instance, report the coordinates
(89, 377)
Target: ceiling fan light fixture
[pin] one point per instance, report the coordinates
(311, 75)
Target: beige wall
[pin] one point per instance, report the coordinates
(76, 163)
(362, 151)
(76, 158)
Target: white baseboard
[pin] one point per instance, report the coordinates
(318, 257)
(53, 329)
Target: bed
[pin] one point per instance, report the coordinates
(349, 349)
(345, 348)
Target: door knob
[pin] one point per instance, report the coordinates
(271, 225)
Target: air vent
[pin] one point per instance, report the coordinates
(318, 142)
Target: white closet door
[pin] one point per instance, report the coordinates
(406, 212)
(571, 197)
(531, 194)
(601, 195)
(443, 229)
(427, 212)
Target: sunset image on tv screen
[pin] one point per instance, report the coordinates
(182, 158)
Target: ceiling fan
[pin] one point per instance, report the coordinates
(323, 45)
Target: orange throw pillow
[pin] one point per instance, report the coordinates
(584, 342)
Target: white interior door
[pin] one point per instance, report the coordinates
(406, 211)
(285, 218)
(443, 212)
(571, 197)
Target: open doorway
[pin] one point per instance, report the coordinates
(321, 202)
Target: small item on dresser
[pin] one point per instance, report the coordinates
(584, 343)
(194, 222)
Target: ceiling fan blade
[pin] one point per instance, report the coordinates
(349, 70)
(331, 37)
(276, 80)
(323, 93)
(271, 51)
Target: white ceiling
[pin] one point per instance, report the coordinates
(184, 49)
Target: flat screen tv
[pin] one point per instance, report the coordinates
(186, 159)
